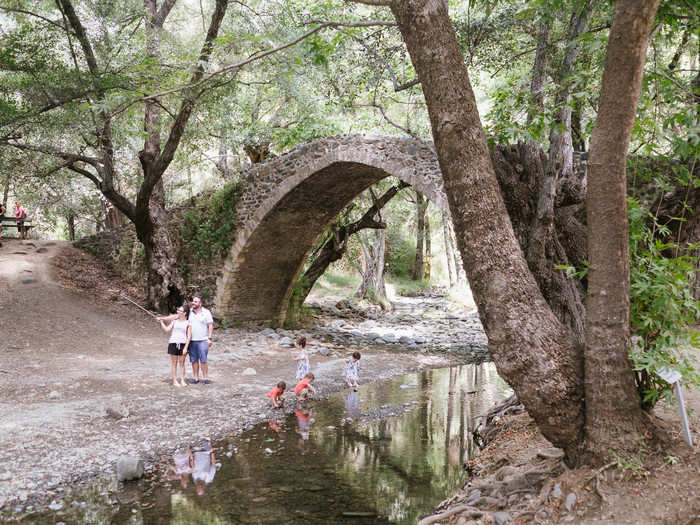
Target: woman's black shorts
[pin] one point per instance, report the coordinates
(176, 348)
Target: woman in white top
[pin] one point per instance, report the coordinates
(179, 342)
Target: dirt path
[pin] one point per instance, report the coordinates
(70, 356)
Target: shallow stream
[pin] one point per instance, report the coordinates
(388, 453)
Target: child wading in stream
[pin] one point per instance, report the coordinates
(302, 358)
(352, 365)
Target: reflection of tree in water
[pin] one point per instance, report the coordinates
(401, 467)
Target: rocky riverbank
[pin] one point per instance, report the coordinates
(90, 382)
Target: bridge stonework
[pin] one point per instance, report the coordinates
(288, 201)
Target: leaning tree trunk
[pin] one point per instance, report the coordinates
(614, 418)
(333, 249)
(427, 259)
(532, 350)
(372, 286)
(449, 252)
(418, 264)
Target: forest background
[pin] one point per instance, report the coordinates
(112, 112)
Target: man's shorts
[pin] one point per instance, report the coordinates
(199, 351)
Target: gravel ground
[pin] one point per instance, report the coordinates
(88, 377)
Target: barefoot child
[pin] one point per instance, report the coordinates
(302, 358)
(304, 387)
(352, 365)
(276, 395)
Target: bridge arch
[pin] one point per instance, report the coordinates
(288, 201)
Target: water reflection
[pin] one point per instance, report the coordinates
(343, 461)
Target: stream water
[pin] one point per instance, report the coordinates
(388, 453)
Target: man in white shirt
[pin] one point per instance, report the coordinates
(202, 324)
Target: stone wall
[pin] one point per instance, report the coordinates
(122, 251)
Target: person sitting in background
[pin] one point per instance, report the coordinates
(20, 213)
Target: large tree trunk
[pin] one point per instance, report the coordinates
(372, 286)
(614, 418)
(521, 170)
(532, 350)
(559, 165)
(418, 264)
(70, 220)
(165, 285)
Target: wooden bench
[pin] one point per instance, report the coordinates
(23, 225)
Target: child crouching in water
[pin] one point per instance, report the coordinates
(352, 365)
(304, 387)
(276, 395)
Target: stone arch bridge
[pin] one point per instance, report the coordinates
(288, 201)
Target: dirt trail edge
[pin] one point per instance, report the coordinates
(70, 356)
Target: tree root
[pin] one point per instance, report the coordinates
(465, 510)
(596, 476)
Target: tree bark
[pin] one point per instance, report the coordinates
(448, 249)
(559, 165)
(418, 264)
(532, 350)
(539, 70)
(427, 259)
(70, 221)
(614, 418)
(6, 191)
(372, 286)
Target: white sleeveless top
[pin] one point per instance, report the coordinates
(179, 333)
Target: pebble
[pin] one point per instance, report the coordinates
(54, 394)
(249, 372)
(556, 491)
(502, 518)
(570, 501)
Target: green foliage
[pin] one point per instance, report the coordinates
(400, 254)
(662, 308)
(208, 227)
(408, 287)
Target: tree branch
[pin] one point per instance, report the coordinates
(25, 12)
(382, 3)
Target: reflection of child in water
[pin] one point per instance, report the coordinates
(183, 461)
(352, 404)
(303, 423)
(204, 468)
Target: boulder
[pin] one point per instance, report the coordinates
(129, 467)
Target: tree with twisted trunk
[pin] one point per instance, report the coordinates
(533, 350)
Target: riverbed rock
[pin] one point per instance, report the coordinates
(249, 372)
(54, 394)
(287, 341)
(502, 518)
(129, 467)
(570, 501)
